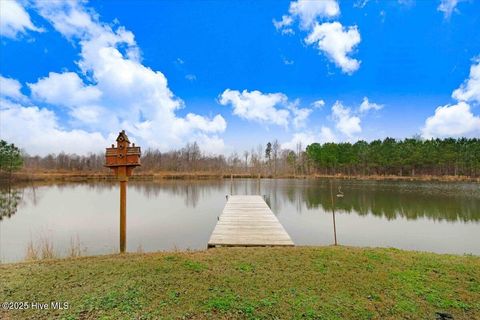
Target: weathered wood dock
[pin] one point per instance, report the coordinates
(248, 221)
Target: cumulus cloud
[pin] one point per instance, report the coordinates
(318, 104)
(303, 139)
(452, 121)
(257, 106)
(14, 19)
(117, 91)
(346, 122)
(299, 115)
(337, 43)
(457, 120)
(283, 25)
(65, 89)
(331, 38)
(216, 124)
(366, 105)
(308, 11)
(37, 130)
(447, 7)
(470, 88)
(10, 88)
(266, 108)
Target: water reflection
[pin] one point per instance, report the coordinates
(394, 203)
(391, 200)
(168, 214)
(192, 192)
(9, 201)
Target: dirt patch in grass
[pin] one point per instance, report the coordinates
(249, 283)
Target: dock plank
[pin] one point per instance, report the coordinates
(248, 221)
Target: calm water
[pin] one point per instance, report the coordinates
(166, 215)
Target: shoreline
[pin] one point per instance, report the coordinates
(73, 176)
(58, 258)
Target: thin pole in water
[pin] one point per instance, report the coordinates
(333, 213)
(258, 185)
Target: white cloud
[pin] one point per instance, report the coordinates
(346, 123)
(287, 62)
(308, 11)
(14, 19)
(470, 89)
(71, 19)
(10, 88)
(300, 115)
(447, 7)
(117, 92)
(306, 138)
(257, 106)
(210, 144)
(406, 2)
(37, 131)
(286, 21)
(457, 120)
(191, 77)
(288, 31)
(65, 89)
(83, 102)
(318, 104)
(331, 38)
(217, 124)
(337, 43)
(266, 108)
(366, 105)
(452, 121)
(360, 4)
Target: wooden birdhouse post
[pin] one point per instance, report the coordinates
(122, 159)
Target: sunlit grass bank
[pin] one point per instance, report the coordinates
(251, 283)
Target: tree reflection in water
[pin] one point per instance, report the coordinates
(388, 199)
(9, 201)
(434, 201)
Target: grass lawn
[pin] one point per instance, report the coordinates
(249, 283)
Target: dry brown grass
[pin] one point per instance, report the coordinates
(75, 250)
(42, 249)
(63, 175)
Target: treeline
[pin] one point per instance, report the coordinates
(265, 161)
(409, 157)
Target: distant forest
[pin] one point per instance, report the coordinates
(409, 157)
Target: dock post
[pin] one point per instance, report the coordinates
(123, 215)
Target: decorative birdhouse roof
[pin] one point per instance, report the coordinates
(122, 136)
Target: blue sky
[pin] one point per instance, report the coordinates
(235, 74)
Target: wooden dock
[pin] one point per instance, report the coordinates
(248, 221)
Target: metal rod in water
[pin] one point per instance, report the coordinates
(333, 214)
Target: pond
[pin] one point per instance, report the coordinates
(180, 215)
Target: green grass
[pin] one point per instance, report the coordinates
(249, 283)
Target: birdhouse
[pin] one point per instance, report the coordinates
(122, 158)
